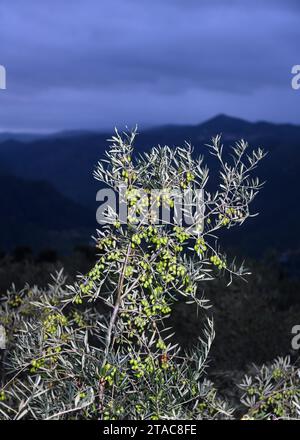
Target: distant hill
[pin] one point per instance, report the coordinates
(29, 137)
(67, 161)
(22, 137)
(36, 214)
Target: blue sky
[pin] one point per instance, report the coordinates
(100, 63)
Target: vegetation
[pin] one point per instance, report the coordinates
(101, 347)
(272, 391)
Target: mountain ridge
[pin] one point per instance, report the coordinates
(67, 164)
(218, 119)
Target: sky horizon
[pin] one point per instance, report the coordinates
(94, 65)
(140, 127)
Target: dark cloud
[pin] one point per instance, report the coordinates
(97, 63)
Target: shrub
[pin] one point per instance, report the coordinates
(100, 348)
(272, 391)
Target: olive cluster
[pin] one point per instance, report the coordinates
(52, 321)
(50, 358)
(181, 234)
(137, 200)
(200, 246)
(113, 411)
(125, 175)
(133, 325)
(106, 243)
(87, 286)
(139, 408)
(230, 214)
(37, 364)
(93, 275)
(277, 373)
(112, 256)
(52, 353)
(150, 235)
(78, 299)
(224, 219)
(135, 197)
(139, 322)
(157, 298)
(167, 199)
(216, 260)
(78, 318)
(136, 239)
(109, 373)
(128, 174)
(147, 280)
(140, 367)
(159, 241)
(172, 271)
(129, 271)
(137, 318)
(188, 177)
(160, 344)
(15, 301)
(155, 307)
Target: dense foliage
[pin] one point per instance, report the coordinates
(100, 348)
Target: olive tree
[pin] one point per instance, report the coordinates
(102, 347)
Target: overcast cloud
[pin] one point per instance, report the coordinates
(98, 63)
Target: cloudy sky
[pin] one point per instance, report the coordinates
(98, 63)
